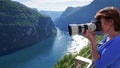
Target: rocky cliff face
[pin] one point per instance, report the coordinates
(84, 14)
(22, 27)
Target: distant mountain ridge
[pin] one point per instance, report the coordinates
(53, 14)
(22, 27)
(83, 14)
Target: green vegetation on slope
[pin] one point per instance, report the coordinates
(67, 61)
(14, 12)
(21, 26)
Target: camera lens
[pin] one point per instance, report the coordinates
(69, 29)
(81, 28)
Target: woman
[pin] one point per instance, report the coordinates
(108, 54)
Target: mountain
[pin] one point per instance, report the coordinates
(53, 14)
(83, 14)
(22, 27)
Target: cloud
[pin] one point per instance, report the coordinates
(54, 4)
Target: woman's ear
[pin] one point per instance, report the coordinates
(111, 22)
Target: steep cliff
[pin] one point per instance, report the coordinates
(22, 27)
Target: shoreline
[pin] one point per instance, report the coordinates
(77, 43)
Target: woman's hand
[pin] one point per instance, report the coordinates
(90, 35)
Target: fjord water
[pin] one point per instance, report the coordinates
(42, 55)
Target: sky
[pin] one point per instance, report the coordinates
(54, 5)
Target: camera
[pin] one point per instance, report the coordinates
(81, 28)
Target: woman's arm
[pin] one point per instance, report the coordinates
(94, 50)
(92, 39)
